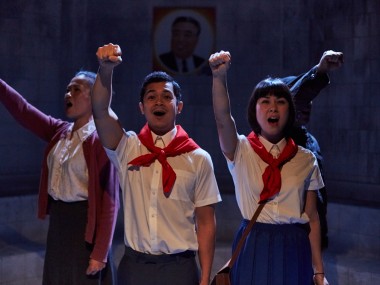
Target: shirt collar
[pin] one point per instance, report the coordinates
(268, 145)
(87, 130)
(84, 132)
(168, 137)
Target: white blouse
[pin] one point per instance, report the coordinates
(298, 175)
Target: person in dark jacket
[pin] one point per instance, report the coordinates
(305, 88)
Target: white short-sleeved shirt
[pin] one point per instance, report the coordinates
(298, 175)
(153, 223)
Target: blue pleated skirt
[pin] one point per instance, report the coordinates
(273, 255)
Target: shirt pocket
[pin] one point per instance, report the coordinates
(183, 189)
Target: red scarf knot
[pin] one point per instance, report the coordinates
(179, 145)
(272, 174)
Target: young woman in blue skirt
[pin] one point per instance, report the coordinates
(283, 247)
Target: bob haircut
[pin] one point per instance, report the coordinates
(160, 76)
(276, 87)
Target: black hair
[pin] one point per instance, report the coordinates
(160, 76)
(188, 19)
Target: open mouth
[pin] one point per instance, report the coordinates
(159, 113)
(69, 104)
(273, 120)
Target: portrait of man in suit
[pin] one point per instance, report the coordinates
(184, 38)
(181, 56)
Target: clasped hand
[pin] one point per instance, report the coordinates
(109, 55)
(220, 62)
(329, 61)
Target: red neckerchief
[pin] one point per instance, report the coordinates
(179, 145)
(272, 175)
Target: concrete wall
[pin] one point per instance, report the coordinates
(43, 43)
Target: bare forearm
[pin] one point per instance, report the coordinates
(206, 230)
(315, 230)
(101, 92)
(221, 101)
(219, 64)
(206, 240)
(315, 243)
(224, 121)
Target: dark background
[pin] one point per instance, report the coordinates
(43, 43)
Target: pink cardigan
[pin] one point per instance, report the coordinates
(103, 185)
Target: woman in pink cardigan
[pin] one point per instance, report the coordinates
(78, 186)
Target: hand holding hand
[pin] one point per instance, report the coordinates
(94, 267)
(220, 62)
(329, 61)
(109, 55)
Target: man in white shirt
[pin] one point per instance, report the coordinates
(169, 190)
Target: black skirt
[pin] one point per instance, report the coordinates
(67, 254)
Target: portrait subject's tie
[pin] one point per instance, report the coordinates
(184, 66)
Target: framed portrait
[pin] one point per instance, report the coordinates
(183, 39)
